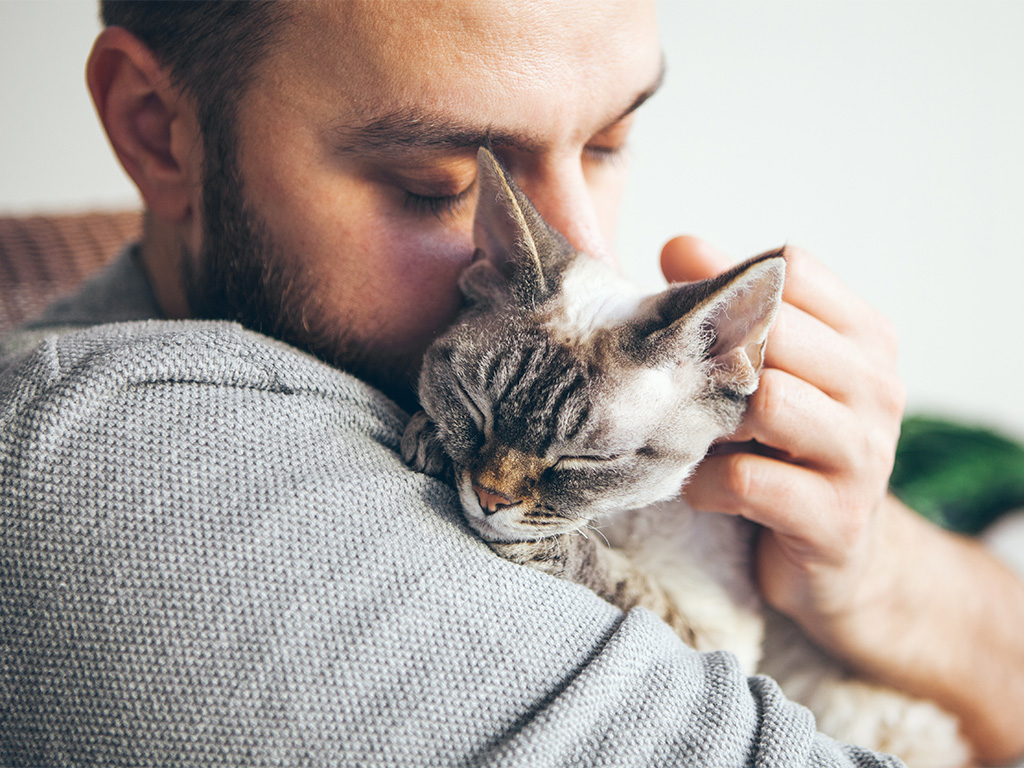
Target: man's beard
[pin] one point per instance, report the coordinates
(242, 275)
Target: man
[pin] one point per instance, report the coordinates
(212, 553)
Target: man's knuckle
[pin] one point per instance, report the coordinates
(888, 335)
(896, 400)
(888, 392)
(742, 480)
(772, 400)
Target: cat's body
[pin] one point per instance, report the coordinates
(563, 400)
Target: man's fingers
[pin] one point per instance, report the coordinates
(801, 422)
(799, 507)
(845, 369)
(795, 503)
(812, 457)
(816, 290)
(805, 347)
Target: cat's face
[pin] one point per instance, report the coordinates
(548, 434)
(562, 394)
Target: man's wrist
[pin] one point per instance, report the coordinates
(934, 618)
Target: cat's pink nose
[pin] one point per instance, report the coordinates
(490, 501)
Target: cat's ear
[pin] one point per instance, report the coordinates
(482, 285)
(724, 320)
(509, 233)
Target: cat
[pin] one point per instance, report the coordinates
(563, 398)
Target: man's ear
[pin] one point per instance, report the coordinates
(150, 122)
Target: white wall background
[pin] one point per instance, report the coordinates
(886, 136)
(53, 153)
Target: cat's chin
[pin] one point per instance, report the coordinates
(510, 533)
(495, 532)
(488, 533)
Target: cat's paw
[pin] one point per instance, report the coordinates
(421, 448)
(563, 556)
(531, 553)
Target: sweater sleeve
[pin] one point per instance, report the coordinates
(211, 554)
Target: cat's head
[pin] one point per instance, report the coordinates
(562, 394)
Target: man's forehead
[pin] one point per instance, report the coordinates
(397, 20)
(426, 76)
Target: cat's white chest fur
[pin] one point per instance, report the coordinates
(702, 559)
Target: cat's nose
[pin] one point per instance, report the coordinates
(490, 501)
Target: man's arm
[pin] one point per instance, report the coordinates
(900, 599)
(212, 554)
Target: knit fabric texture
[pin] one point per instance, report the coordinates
(212, 554)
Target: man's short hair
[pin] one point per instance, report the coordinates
(210, 48)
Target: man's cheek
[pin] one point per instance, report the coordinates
(413, 293)
(429, 262)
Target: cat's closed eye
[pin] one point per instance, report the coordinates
(477, 413)
(585, 462)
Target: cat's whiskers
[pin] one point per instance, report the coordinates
(600, 533)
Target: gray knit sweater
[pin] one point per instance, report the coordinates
(213, 555)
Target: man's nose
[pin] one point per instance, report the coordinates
(561, 194)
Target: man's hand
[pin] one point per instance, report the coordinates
(868, 579)
(824, 424)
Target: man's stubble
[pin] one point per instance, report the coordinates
(241, 274)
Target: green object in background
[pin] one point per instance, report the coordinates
(961, 477)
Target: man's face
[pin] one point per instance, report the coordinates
(356, 158)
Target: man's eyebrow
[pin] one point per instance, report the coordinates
(645, 94)
(412, 130)
(415, 131)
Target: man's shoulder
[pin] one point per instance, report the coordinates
(60, 370)
(208, 349)
(188, 421)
